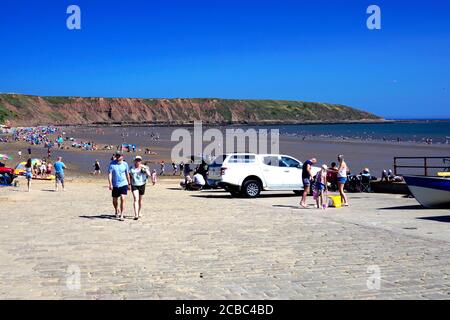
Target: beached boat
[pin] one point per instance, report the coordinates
(430, 192)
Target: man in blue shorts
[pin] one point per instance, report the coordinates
(59, 173)
(119, 182)
(307, 179)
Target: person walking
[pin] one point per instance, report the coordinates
(181, 167)
(29, 172)
(154, 176)
(174, 169)
(187, 174)
(139, 175)
(342, 178)
(307, 179)
(162, 168)
(59, 173)
(119, 183)
(97, 168)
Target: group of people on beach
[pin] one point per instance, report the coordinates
(320, 180)
(36, 170)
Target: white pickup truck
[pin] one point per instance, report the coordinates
(248, 174)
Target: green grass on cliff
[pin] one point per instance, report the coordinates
(5, 114)
(58, 100)
(278, 110)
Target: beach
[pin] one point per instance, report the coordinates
(374, 154)
(207, 245)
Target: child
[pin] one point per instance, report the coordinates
(154, 177)
(321, 187)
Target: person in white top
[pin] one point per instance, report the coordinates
(196, 183)
(342, 178)
(139, 175)
(198, 180)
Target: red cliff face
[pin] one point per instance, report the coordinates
(27, 110)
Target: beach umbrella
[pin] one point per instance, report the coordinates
(5, 157)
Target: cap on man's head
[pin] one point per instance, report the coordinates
(138, 158)
(118, 154)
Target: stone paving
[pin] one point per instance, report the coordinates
(206, 245)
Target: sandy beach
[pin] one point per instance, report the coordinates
(376, 155)
(188, 247)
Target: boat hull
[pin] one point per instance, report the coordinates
(430, 192)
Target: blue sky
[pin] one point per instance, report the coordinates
(298, 50)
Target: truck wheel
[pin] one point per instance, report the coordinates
(251, 189)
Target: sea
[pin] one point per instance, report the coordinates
(411, 132)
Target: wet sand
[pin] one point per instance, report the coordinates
(376, 155)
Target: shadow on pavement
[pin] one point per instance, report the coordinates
(227, 195)
(288, 207)
(101, 216)
(204, 190)
(413, 207)
(437, 218)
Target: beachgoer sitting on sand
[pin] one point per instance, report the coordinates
(197, 182)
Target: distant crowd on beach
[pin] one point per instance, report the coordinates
(304, 136)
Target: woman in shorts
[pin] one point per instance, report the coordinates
(342, 179)
(29, 171)
(139, 175)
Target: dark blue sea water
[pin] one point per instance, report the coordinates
(417, 132)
